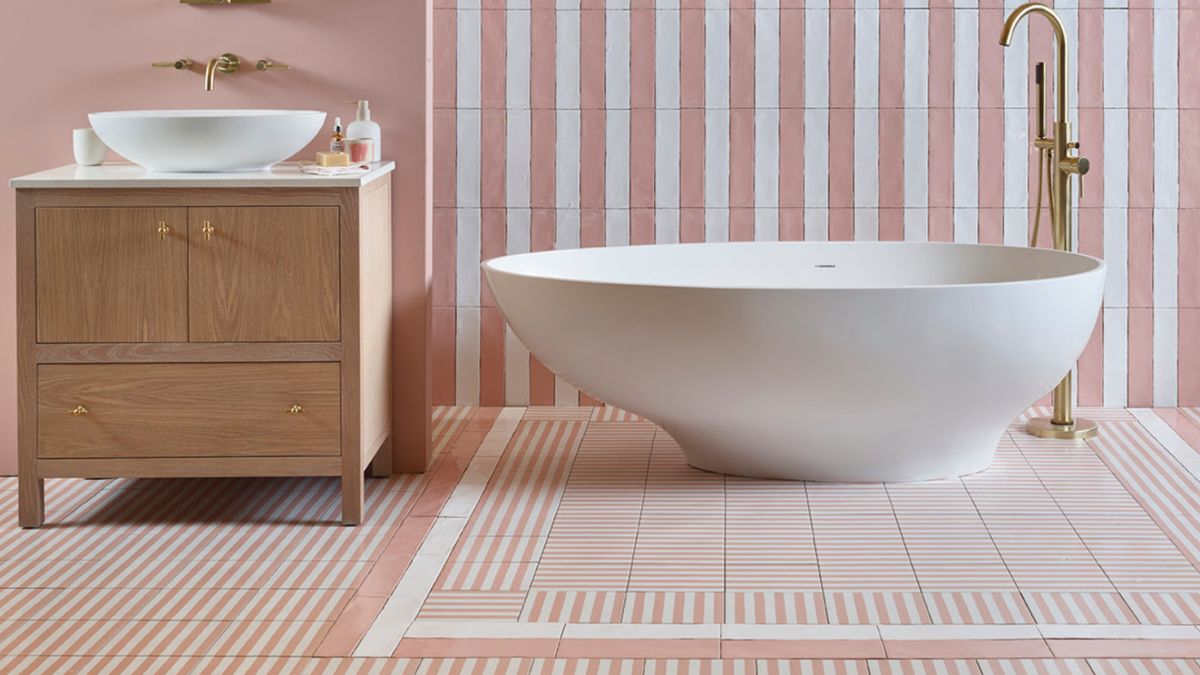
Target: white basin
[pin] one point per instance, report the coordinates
(207, 140)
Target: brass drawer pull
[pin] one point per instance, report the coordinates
(163, 229)
(208, 229)
(295, 409)
(79, 411)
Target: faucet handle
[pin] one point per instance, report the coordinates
(1078, 166)
(180, 64)
(271, 64)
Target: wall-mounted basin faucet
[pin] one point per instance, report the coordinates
(225, 63)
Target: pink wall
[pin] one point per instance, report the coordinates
(64, 60)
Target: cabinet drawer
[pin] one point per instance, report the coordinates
(188, 410)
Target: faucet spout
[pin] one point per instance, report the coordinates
(1062, 56)
(225, 63)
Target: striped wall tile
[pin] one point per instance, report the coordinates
(573, 124)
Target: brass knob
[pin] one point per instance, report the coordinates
(79, 411)
(163, 229)
(296, 409)
(208, 229)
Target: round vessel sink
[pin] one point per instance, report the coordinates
(207, 140)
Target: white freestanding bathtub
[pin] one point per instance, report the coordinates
(849, 361)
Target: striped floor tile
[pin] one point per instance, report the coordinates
(813, 667)
(106, 638)
(1079, 608)
(1144, 666)
(610, 414)
(1165, 608)
(876, 608)
(978, 608)
(364, 667)
(472, 605)
(574, 607)
(587, 667)
(672, 607)
(486, 576)
(271, 638)
(1035, 667)
(78, 665)
(771, 607)
(925, 667)
(699, 667)
(475, 666)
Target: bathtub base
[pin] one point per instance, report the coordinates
(869, 462)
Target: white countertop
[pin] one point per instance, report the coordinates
(116, 175)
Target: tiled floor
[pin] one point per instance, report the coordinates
(557, 540)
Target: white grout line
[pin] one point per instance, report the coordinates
(403, 605)
(1169, 439)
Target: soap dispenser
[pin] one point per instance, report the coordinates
(363, 127)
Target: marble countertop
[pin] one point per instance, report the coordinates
(116, 175)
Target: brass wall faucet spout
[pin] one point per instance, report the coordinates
(225, 63)
(1060, 166)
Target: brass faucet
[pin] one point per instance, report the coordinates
(1061, 166)
(225, 63)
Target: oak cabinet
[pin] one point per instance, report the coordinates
(224, 331)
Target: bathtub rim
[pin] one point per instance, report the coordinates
(1098, 266)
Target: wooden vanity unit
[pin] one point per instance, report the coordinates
(203, 325)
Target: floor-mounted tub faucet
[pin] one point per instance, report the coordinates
(1055, 154)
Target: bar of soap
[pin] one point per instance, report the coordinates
(333, 159)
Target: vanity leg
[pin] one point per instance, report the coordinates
(352, 497)
(31, 510)
(381, 466)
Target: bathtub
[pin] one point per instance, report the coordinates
(822, 361)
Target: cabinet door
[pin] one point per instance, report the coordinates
(111, 275)
(263, 274)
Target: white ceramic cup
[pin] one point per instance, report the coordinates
(89, 149)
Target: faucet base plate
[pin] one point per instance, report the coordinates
(1082, 429)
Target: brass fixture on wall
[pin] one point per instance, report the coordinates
(224, 2)
(1060, 166)
(226, 64)
(271, 64)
